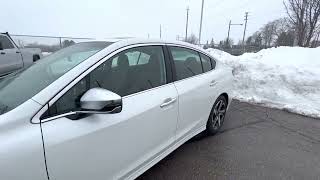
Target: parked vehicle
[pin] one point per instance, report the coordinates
(13, 58)
(101, 110)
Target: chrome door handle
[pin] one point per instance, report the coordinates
(3, 53)
(168, 101)
(213, 83)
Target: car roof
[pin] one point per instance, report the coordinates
(133, 41)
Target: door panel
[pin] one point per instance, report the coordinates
(109, 146)
(196, 98)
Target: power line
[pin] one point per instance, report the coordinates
(230, 24)
(228, 8)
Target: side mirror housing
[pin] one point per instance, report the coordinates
(94, 101)
(100, 101)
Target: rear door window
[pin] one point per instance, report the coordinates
(206, 63)
(187, 62)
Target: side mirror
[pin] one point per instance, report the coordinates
(1, 47)
(100, 101)
(94, 101)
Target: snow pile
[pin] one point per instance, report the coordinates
(285, 77)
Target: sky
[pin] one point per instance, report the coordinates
(136, 18)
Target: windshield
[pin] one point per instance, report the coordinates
(24, 84)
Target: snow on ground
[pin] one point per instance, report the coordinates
(285, 77)
(46, 53)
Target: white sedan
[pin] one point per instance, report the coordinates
(102, 110)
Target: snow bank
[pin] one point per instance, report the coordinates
(285, 77)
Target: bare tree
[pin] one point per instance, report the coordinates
(192, 39)
(268, 33)
(255, 40)
(316, 41)
(67, 43)
(304, 16)
(227, 43)
(285, 39)
(281, 25)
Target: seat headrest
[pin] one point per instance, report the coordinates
(123, 61)
(154, 60)
(190, 60)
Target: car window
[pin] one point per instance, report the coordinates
(134, 70)
(187, 62)
(63, 66)
(26, 83)
(213, 63)
(6, 43)
(120, 75)
(134, 58)
(206, 63)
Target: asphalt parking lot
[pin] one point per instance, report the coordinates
(255, 143)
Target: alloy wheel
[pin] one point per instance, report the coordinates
(219, 113)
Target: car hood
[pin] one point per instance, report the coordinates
(23, 112)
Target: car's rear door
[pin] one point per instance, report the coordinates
(112, 146)
(195, 83)
(10, 57)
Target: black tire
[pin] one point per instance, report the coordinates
(217, 116)
(36, 57)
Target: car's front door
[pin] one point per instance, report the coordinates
(10, 57)
(113, 146)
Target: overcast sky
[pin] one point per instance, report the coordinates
(135, 18)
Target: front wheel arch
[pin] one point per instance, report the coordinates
(226, 96)
(35, 57)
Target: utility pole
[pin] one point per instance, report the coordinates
(187, 23)
(244, 32)
(230, 24)
(201, 22)
(160, 32)
(229, 32)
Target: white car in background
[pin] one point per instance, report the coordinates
(101, 110)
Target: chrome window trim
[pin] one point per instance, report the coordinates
(191, 48)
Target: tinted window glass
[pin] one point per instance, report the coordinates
(134, 70)
(129, 72)
(206, 63)
(187, 62)
(6, 43)
(26, 83)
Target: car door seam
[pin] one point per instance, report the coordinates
(178, 116)
(44, 151)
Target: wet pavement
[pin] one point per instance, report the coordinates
(255, 143)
